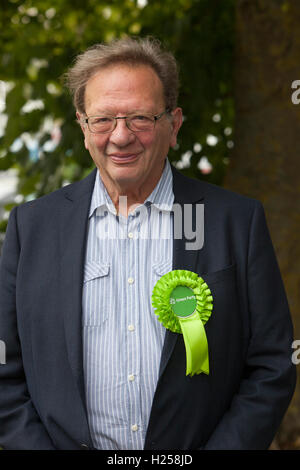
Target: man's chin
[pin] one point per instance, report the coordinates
(127, 182)
(126, 176)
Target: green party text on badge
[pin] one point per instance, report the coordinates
(183, 301)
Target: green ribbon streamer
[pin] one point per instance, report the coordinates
(195, 345)
(192, 325)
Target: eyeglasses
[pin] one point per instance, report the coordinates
(134, 122)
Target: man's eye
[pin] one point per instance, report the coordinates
(140, 117)
(101, 120)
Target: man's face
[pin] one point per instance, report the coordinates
(129, 160)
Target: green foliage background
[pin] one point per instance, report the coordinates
(199, 32)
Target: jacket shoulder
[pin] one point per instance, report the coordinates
(70, 191)
(194, 189)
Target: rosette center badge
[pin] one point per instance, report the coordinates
(183, 303)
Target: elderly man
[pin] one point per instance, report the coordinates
(88, 363)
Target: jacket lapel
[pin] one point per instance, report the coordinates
(185, 192)
(74, 220)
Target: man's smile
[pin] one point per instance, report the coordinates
(124, 158)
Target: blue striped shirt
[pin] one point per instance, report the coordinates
(122, 338)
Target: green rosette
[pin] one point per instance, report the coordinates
(183, 303)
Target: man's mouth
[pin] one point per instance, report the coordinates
(123, 157)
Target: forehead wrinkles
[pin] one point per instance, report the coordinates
(120, 84)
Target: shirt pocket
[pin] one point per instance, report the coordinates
(159, 269)
(96, 293)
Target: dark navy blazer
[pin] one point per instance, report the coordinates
(239, 405)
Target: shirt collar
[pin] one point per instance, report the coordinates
(162, 195)
(100, 196)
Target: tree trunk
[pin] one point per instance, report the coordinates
(265, 163)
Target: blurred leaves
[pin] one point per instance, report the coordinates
(40, 39)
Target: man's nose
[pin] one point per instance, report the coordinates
(121, 135)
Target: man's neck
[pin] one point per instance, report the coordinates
(133, 195)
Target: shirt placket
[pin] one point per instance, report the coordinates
(133, 333)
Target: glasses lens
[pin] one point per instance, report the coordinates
(101, 124)
(140, 122)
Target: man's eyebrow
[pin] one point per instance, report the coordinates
(102, 112)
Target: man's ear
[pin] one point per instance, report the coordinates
(83, 128)
(80, 121)
(176, 125)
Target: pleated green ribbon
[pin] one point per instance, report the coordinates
(183, 303)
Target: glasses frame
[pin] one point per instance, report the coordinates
(155, 117)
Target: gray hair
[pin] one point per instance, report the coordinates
(130, 51)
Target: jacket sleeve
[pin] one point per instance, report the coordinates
(20, 425)
(269, 375)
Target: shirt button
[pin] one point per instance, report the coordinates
(130, 235)
(131, 327)
(130, 280)
(131, 377)
(134, 427)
